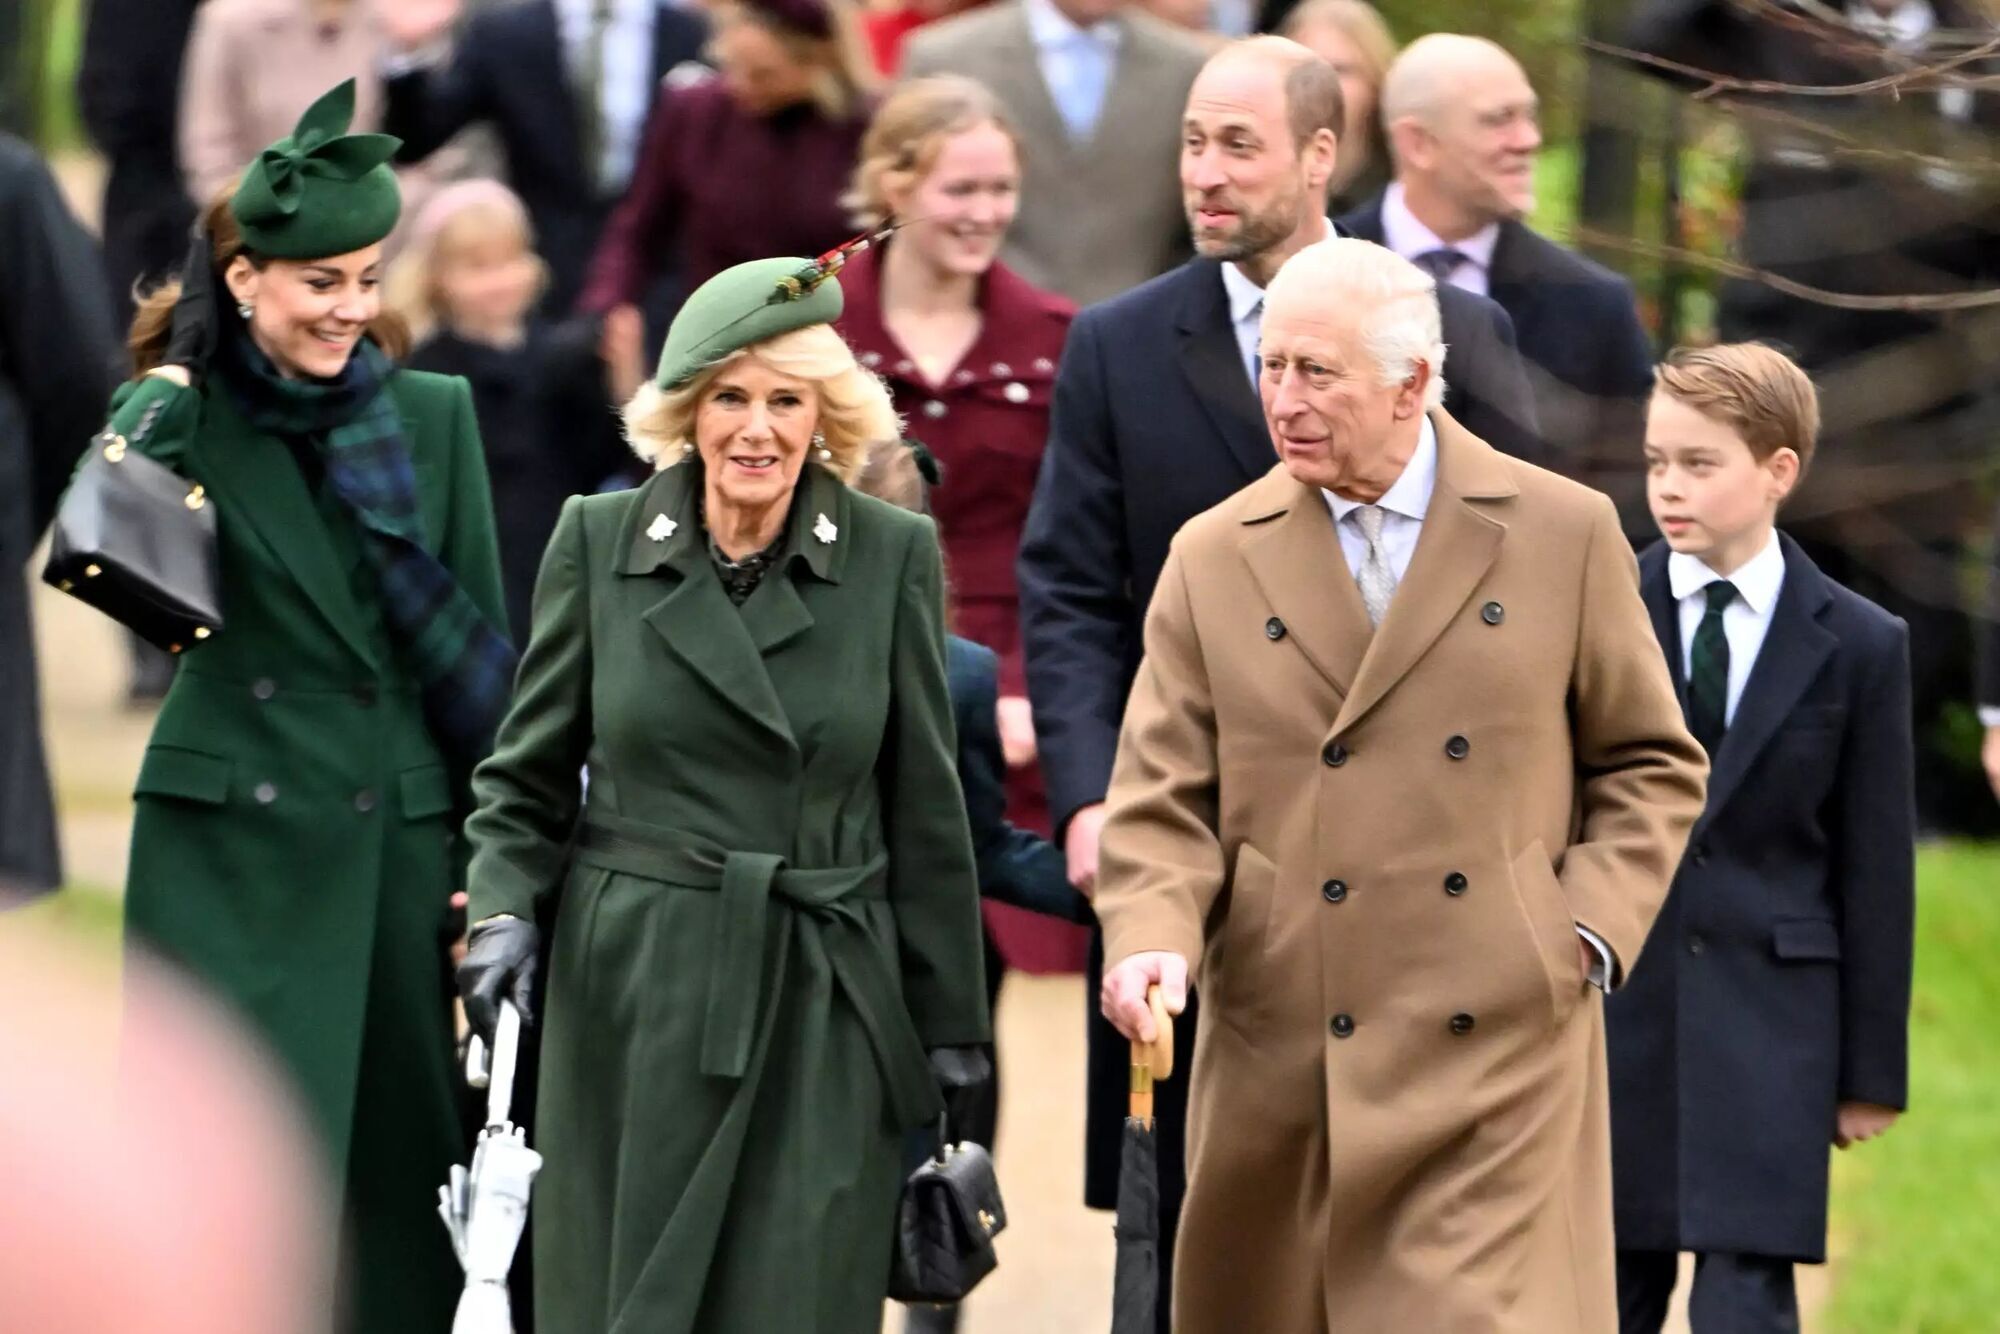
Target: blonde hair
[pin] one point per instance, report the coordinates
(1400, 299)
(1755, 390)
(1361, 146)
(891, 473)
(855, 410)
(451, 222)
(909, 131)
(843, 69)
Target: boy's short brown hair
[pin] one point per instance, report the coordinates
(1757, 390)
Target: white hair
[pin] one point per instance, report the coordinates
(1403, 327)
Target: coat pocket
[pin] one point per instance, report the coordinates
(1806, 939)
(1235, 959)
(190, 775)
(1554, 929)
(425, 791)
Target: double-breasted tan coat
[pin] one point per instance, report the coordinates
(1376, 846)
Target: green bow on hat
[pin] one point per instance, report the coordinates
(320, 191)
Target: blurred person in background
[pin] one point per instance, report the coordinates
(467, 284)
(1196, 18)
(1880, 194)
(1088, 85)
(160, 1178)
(59, 358)
(887, 27)
(1351, 36)
(1464, 129)
(292, 839)
(128, 93)
(254, 65)
(749, 161)
(568, 86)
(1155, 418)
(969, 351)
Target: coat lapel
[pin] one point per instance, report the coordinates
(1214, 365)
(1796, 648)
(258, 472)
(1458, 544)
(1292, 535)
(1658, 594)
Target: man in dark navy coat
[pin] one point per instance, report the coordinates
(1767, 1017)
(528, 69)
(1155, 419)
(1463, 129)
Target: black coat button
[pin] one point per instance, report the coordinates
(1458, 748)
(1493, 613)
(1334, 890)
(1696, 944)
(1334, 755)
(1700, 854)
(1343, 1025)
(1274, 629)
(1454, 884)
(364, 800)
(1461, 1024)
(264, 688)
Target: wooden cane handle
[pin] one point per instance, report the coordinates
(1157, 1056)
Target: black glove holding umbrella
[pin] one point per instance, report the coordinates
(1135, 1283)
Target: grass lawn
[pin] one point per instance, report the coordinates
(1917, 1212)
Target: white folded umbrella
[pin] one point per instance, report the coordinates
(486, 1208)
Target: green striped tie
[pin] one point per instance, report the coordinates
(1708, 670)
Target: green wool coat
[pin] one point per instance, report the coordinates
(767, 915)
(293, 839)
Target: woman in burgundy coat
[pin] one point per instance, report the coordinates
(748, 161)
(969, 351)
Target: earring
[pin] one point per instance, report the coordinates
(687, 447)
(819, 444)
(245, 309)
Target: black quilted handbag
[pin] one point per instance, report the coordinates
(136, 540)
(945, 1224)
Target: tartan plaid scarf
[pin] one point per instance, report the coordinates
(463, 663)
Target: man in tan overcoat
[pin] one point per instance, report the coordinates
(1402, 783)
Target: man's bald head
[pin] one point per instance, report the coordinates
(1463, 127)
(1308, 85)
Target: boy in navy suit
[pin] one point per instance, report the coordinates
(1767, 1016)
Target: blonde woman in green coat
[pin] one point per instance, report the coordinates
(765, 958)
(292, 843)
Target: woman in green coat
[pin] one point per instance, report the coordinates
(292, 843)
(765, 959)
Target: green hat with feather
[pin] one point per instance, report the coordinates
(320, 191)
(751, 303)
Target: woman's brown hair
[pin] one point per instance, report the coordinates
(153, 322)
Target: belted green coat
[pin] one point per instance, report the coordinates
(767, 913)
(292, 840)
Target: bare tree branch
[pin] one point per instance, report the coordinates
(1632, 245)
(1919, 78)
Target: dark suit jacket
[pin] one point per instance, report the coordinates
(1015, 866)
(59, 360)
(507, 71)
(1590, 362)
(1155, 420)
(1776, 980)
(128, 90)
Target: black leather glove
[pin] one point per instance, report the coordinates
(197, 322)
(962, 1075)
(500, 960)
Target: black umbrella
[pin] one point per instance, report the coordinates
(1136, 1282)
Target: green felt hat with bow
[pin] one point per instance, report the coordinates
(320, 191)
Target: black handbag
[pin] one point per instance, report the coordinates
(945, 1224)
(136, 540)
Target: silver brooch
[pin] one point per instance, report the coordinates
(661, 528)
(824, 530)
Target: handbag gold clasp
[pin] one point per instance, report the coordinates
(197, 497)
(986, 1220)
(115, 450)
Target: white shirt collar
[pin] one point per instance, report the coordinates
(1757, 582)
(1411, 495)
(1243, 292)
(1404, 234)
(1050, 27)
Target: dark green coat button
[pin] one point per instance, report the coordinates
(1461, 1024)
(1493, 613)
(1458, 748)
(1334, 890)
(1454, 884)
(1334, 755)
(1274, 629)
(1343, 1025)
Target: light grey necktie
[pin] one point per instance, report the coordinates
(1376, 577)
(1255, 360)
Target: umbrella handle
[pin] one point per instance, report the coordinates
(1152, 1060)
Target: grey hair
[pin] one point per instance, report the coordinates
(1405, 329)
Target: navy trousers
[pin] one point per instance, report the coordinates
(1733, 1294)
